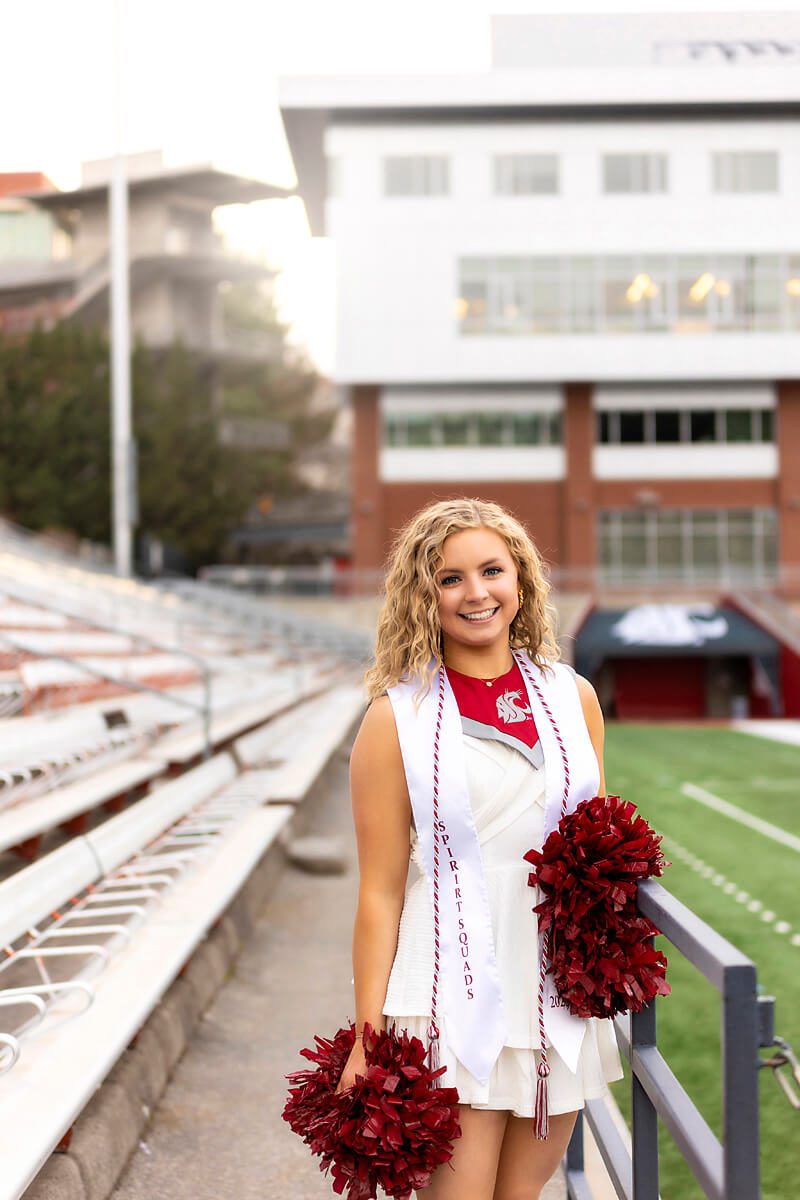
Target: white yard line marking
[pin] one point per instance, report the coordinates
(679, 852)
(741, 816)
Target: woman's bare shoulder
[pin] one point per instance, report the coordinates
(377, 735)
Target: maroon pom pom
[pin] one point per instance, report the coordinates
(391, 1129)
(588, 871)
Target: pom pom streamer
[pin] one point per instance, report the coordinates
(588, 872)
(392, 1129)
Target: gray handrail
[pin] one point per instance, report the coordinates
(727, 1169)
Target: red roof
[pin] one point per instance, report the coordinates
(13, 182)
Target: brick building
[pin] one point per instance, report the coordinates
(572, 284)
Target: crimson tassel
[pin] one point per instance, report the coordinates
(433, 1053)
(541, 1116)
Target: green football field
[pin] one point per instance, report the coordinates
(745, 885)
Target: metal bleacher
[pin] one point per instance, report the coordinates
(158, 803)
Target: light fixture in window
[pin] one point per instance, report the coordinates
(793, 286)
(461, 308)
(701, 287)
(722, 287)
(642, 285)
(511, 311)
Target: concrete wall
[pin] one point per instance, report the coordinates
(398, 256)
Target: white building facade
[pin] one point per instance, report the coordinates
(575, 288)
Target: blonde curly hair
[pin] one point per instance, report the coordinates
(408, 632)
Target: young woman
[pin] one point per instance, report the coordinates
(474, 739)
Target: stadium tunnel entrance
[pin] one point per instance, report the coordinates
(680, 662)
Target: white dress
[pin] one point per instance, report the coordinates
(507, 799)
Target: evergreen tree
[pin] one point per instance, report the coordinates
(55, 469)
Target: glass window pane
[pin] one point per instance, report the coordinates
(669, 545)
(633, 549)
(554, 427)
(526, 174)
(767, 301)
(668, 425)
(617, 173)
(491, 427)
(415, 175)
(745, 171)
(738, 425)
(695, 286)
(702, 426)
(767, 425)
(705, 550)
(607, 556)
(631, 427)
(545, 301)
(526, 429)
(634, 173)
(581, 299)
(394, 431)
(455, 429)
(472, 303)
(603, 434)
(419, 430)
(741, 545)
(618, 310)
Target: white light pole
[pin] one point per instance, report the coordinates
(123, 452)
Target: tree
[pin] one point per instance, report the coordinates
(193, 489)
(54, 431)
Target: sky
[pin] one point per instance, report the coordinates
(200, 80)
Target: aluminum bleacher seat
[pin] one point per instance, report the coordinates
(132, 899)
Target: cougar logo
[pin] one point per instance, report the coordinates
(507, 710)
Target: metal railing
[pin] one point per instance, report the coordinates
(199, 664)
(726, 1169)
(262, 619)
(329, 579)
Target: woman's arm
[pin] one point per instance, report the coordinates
(382, 818)
(593, 715)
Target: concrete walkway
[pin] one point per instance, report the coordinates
(218, 1131)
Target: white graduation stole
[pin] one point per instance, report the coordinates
(470, 986)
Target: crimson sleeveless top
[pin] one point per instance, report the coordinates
(498, 711)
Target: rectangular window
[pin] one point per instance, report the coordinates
(739, 425)
(625, 173)
(419, 431)
(491, 429)
(745, 171)
(526, 429)
(633, 542)
(702, 426)
(668, 425)
(687, 543)
(554, 428)
(416, 175)
(631, 428)
(767, 425)
(394, 431)
(525, 174)
(456, 429)
(693, 293)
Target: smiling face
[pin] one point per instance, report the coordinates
(478, 597)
